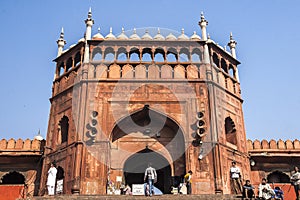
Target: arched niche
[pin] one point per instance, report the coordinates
(179, 72)
(153, 72)
(166, 72)
(140, 72)
(114, 71)
(127, 71)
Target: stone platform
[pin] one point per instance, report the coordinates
(161, 197)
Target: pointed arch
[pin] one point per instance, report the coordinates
(63, 129)
(230, 131)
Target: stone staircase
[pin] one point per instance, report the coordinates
(161, 197)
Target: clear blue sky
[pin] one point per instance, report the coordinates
(267, 32)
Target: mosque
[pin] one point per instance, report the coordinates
(147, 95)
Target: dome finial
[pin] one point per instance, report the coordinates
(38, 136)
(110, 35)
(182, 36)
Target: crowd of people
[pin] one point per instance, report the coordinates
(265, 191)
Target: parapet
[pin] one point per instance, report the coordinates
(273, 145)
(17, 147)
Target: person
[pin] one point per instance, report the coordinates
(295, 179)
(278, 193)
(188, 181)
(127, 190)
(150, 177)
(265, 191)
(51, 179)
(248, 190)
(235, 175)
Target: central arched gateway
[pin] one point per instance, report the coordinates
(148, 136)
(136, 164)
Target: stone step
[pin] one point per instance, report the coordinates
(127, 197)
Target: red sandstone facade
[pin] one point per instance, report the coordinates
(121, 102)
(112, 113)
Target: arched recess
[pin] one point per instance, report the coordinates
(216, 60)
(127, 71)
(140, 72)
(179, 72)
(231, 71)
(184, 55)
(60, 176)
(166, 72)
(196, 55)
(224, 65)
(172, 55)
(153, 72)
(147, 55)
(63, 129)
(61, 69)
(121, 54)
(69, 64)
(192, 72)
(109, 54)
(278, 177)
(145, 131)
(97, 54)
(159, 55)
(114, 71)
(230, 131)
(13, 178)
(77, 59)
(136, 164)
(134, 54)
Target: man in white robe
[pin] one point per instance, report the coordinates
(51, 179)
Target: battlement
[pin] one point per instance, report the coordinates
(273, 145)
(21, 147)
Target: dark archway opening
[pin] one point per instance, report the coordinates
(59, 180)
(278, 177)
(13, 178)
(134, 169)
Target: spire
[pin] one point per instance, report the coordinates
(232, 44)
(90, 13)
(203, 23)
(61, 42)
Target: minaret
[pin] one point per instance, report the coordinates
(203, 23)
(232, 44)
(61, 43)
(88, 35)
